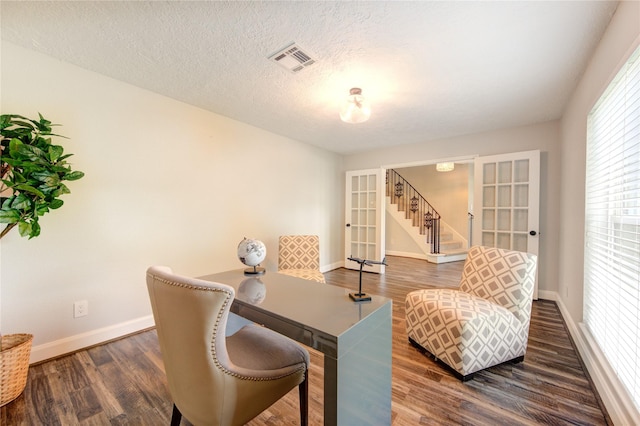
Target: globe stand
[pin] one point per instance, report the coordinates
(254, 271)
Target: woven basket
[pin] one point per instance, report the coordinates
(14, 365)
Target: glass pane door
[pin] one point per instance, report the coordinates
(507, 201)
(364, 233)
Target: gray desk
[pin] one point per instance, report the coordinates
(355, 338)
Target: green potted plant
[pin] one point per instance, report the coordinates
(32, 172)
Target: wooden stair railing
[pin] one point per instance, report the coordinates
(416, 208)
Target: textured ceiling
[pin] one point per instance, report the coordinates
(430, 69)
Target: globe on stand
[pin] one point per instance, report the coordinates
(252, 252)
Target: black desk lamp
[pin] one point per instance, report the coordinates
(360, 296)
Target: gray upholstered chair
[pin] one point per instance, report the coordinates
(299, 256)
(483, 323)
(216, 379)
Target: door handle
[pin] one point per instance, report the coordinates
(348, 225)
(533, 233)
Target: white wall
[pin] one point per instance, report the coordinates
(609, 56)
(544, 136)
(397, 241)
(621, 36)
(166, 183)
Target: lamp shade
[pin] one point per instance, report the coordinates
(356, 109)
(445, 167)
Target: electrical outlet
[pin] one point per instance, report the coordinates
(80, 308)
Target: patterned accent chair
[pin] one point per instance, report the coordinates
(299, 256)
(483, 323)
(215, 379)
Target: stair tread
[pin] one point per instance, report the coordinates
(450, 245)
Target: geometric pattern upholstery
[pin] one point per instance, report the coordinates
(483, 323)
(299, 256)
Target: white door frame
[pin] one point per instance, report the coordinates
(365, 218)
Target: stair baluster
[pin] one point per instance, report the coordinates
(416, 208)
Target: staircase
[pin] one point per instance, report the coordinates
(452, 245)
(438, 241)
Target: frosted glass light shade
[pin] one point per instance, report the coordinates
(356, 109)
(445, 167)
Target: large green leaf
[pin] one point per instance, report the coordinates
(25, 229)
(21, 202)
(14, 145)
(24, 134)
(64, 157)
(6, 203)
(30, 189)
(8, 183)
(5, 121)
(74, 175)
(26, 124)
(14, 162)
(56, 203)
(35, 228)
(33, 153)
(48, 177)
(55, 151)
(18, 177)
(42, 208)
(44, 125)
(9, 216)
(62, 189)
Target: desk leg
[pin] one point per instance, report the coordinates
(330, 391)
(357, 385)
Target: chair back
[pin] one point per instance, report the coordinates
(299, 252)
(504, 277)
(191, 317)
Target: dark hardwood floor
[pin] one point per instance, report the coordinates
(122, 382)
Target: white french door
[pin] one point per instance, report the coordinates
(365, 218)
(507, 202)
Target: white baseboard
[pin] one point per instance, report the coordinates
(331, 267)
(79, 341)
(408, 254)
(616, 399)
(548, 295)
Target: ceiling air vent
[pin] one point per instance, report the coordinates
(292, 58)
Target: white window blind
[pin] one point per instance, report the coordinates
(612, 252)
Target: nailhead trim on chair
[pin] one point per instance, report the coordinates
(228, 299)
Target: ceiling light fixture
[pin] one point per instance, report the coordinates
(355, 109)
(445, 167)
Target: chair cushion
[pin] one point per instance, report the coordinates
(466, 332)
(257, 348)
